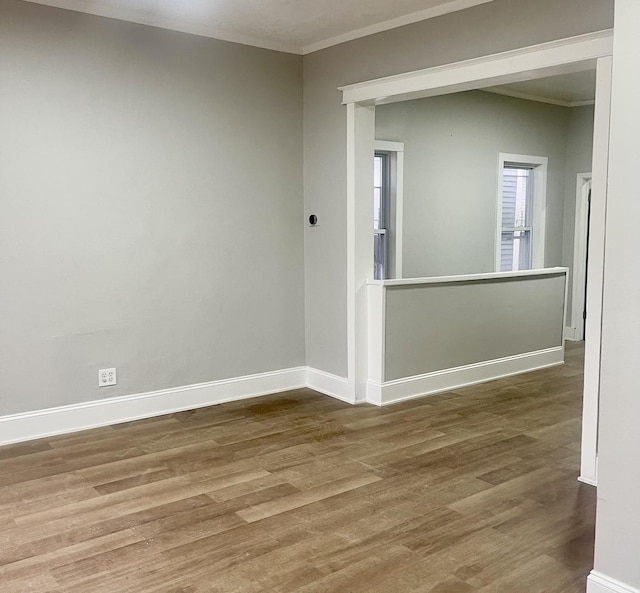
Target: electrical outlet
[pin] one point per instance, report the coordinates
(106, 377)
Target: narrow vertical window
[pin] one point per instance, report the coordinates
(517, 194)
(380, 215)
(522, 197)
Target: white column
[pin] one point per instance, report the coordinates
(360, 151)
(595, 273)
(617, 559)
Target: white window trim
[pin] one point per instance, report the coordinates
(540, 165)
(397, 199)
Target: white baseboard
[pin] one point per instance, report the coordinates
(587, 476)
(570, 333)
(600, 583)
(328, 384)
(65, 419)
(587, 480)
(446, 380)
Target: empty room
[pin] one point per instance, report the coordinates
(319, 297)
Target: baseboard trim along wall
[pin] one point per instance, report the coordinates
(389, 392)
(329, 384)
(571, 334)
(588, 481)
(65, 419)
(600, 583)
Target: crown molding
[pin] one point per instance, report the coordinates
(160, 22)
(421, 15)
(202, 29)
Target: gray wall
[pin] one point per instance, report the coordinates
(451, 173)
(151, 208)
(431, 327)
(618, 514)
(497, 26)
(151, 193)
(579, 157)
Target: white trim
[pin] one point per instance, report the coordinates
(595, 272)
(469, 277)
(377, 304)
(156, 18)
(26, 426)
(361, 139)
(329, 384)
(571, 334)
(566, 302)
(390, 392)
(64, 419)
(540, 165)
(587, 481)
(537, 98)
(351, 251)
(49, 422)
(537, 61)
(397, 200)
(583, 185)
(399, 221)
(203, 27)
(600, 583)
(389, 146)
(408, 19)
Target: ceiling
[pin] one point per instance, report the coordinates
(295, 26)
(569, 90)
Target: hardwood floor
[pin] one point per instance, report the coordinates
(469, 491)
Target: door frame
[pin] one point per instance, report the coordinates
(575, 331)
(595, 273)
(573, 54)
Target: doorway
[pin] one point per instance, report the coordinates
(580, 257)
(553, 58)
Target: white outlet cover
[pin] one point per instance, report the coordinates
(106, 377)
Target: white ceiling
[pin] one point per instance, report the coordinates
(296, 26)
(568, 90)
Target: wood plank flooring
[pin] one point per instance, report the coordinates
(469, 491)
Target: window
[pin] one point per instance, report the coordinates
(381, 193)
(388, 167)
(521, 213)
(515, 241)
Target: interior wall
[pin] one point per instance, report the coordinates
(486, 29)
(431, 327)
(451, 174)
(151, 208)
(618, 516)
(579, 158)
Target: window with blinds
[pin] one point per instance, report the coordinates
(517, 215)
(521, 212)
(381, 192)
